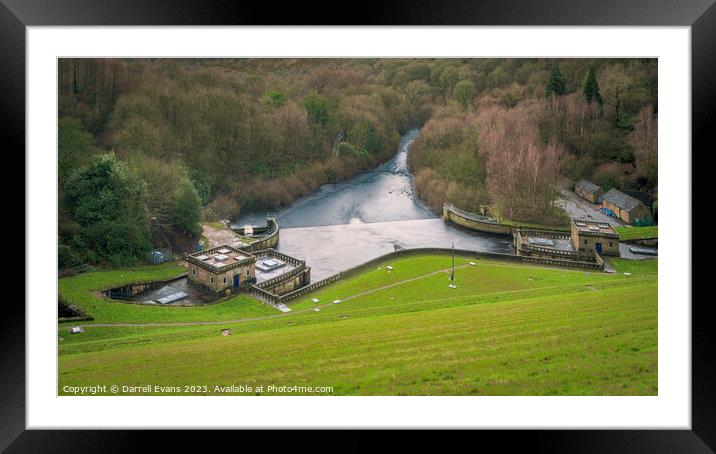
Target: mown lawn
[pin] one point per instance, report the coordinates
(82, 291)
(637, 233)
(647, 266)
(507, 329)
(433, 273)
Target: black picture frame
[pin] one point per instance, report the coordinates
(16, 15)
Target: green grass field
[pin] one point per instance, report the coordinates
(647, 266)
(81, 291)
(637, 233)
(507, 329)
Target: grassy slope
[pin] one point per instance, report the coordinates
(647, 266)
(507, 329)
(486, 277)
(636, 233)
(80, 290)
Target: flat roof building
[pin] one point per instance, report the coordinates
(225, 268)
(553, 247)
(221, 268)
(591, 236)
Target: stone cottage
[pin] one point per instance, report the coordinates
(626, 208)
(590, 236)
(588, 190)
(221, 268)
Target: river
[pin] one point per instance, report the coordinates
(344, 224)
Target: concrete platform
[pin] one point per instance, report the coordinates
(172, 298)
(262, 275)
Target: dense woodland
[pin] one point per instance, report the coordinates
(528, 125)
(147, 148)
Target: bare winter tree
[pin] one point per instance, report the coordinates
(644, 139)
(522, 170)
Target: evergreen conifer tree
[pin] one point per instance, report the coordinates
(555, 83)
(591, 87)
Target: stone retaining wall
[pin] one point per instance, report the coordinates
(552, 234)
(288, 282)
(264, 296)
(267, 237)
(524, 248)
(654, 242)
(126, 291)
(78, 314)
(474, 221)
(566, 263)
(270, 252)
(309, 288)
(480, 223)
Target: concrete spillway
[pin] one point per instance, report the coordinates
(172, 298)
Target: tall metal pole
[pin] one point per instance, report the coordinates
(452, 271)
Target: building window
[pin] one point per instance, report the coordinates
(247, 272)
(211, 279)
(224, 279)
(193, 271)
(585, 242)
(610, 244)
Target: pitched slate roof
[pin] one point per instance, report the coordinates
(621, 200)
(641, 196)
(586, 185)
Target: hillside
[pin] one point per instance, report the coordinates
(192, 139)
(507, 329)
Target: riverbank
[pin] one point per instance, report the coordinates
(381, 194)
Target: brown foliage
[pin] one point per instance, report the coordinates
(208, 115)
(493, 156)
(447, 165)
(522, 170)
(612, 175)
(88, 88)
(644, 139)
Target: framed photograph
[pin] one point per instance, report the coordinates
(424, 217)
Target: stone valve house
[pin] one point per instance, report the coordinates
(590, 236)
(221, 268)
(226, 269)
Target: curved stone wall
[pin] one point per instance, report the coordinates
(267, 237)
(480, 223)
(474, 221)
